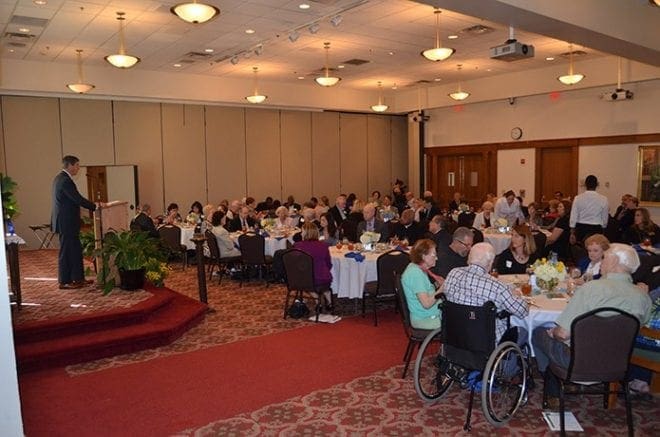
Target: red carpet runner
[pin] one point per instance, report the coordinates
(163, 396)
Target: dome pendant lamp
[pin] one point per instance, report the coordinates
(256, 97)
(327, 80)
(121, 59)
(80, 87)
(380, 107)
(195, 13)
(571, 78)
(438, 53)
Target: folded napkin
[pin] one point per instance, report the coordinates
(265, 234)
(280, 238)
(357, 256)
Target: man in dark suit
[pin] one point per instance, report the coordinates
(430, 210)
(438, 231)
(338, 212)
(372, 224)
(65, 221)
(242, 221)
(144, 223)
(408, 228)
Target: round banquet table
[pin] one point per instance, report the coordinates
(349, 275)
(271, 244)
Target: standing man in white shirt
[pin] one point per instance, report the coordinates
(589, 213)
(508, 207)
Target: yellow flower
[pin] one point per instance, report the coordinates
(543, 260)
(560, 267)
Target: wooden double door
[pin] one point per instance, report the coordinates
(471, 173)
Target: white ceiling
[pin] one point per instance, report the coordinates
(389, 34)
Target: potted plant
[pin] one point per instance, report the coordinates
(132, 253)
(9, 205)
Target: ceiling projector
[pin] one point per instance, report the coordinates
(512, 50)
(618, 95)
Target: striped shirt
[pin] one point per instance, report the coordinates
(472, 285)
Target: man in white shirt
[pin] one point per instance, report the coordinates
(508, 207)
(589, 213)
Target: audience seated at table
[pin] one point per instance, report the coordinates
(371, 223)
(483, 219)
(282, 220)
(234, 208)
(375, 198)
(144, 223)
(454, 255)
(521, 252)
(558, 240)
(308, 215)
(388, 211)
(625, 213)
(596, 246)
(338, 211)
(266, 205)
(291, 203)
(643, 229)
(614, 289)
(420, 293)
(208, 211)
(534, 218)
(438, 231)
(320, 252)
(172, 215)
(225, 243)
(242, 221)
(328, 232)
(551, 215)
(457, 200)
(407, 228)
(473, 285)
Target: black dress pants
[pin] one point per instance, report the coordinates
(70, 261)
(582, 231)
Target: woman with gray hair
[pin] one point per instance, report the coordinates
(283, 220)
(483, 219)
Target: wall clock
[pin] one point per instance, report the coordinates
(516, 133)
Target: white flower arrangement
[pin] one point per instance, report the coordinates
(267, 223)
(463, 208)
(501, 223)
(192, 218)
(369, 237)
(548, 274)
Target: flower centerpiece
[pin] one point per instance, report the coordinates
(268, 224)
(368, 239)
(548, 273)
(156, 271)
(502, 225)
(463, 208)
(192, 218)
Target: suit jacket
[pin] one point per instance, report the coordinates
(336, 215)
(235, 224)
(412, 233)
(429, 213)
(441, 238)
(380, 227)
(67, 201)
(143, 222)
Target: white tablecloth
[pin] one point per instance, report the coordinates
(348, 275)
(187, 232)
(543, 311)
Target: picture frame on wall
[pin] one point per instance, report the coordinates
(648, 175)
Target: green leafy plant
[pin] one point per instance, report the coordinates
(128, 251)
(9, 205)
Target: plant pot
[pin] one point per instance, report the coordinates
(131, 279)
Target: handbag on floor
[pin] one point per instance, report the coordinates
(298, 309)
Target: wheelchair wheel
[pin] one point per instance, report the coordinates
(430, 382)
(504, 383)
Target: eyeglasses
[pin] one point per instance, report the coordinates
(468, 245)
(433, 254)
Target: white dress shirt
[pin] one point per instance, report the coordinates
(509, 212)
(589, 208)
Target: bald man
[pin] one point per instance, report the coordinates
(372, 224)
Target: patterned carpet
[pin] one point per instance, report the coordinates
(379, 404)
(382, 404)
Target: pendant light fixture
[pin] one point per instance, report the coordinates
(80, 87)
(459, 94)
(327, 80)
(571, 78)
(194, 12)
(438, 53)
(121, 59)
(256, 97)
(380, 107)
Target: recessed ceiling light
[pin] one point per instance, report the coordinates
(24, 29)
(394, 87)
(11, 50)
(489, 69)
(208, 50)
(437, 79)
(340, 66)
(40, 2)
(452, 37)
(177, 65)
(303, 6)
(249, 31)
(301, 77)
(550, 58)
(391, 53)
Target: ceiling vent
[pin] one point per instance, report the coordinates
(18, 45)
(186, 61)
(16, 36)
(28, 21)
(356, 62)
(477, 29)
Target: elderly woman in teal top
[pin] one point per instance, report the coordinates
(421, 294)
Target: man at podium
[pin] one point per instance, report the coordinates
(65, 221)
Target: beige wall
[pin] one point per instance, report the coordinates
(190, 152)
(512, 174)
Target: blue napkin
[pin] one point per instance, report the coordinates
(357, 256)
(265, 234)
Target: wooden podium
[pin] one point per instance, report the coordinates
(111, 218)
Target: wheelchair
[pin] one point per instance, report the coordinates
(467, 355)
